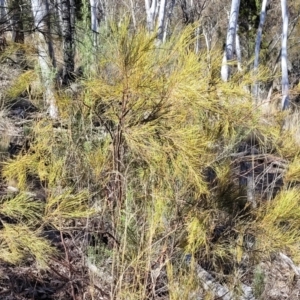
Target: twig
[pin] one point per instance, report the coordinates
(69, 265)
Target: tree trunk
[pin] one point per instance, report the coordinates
(230, 41)
(94, 21)
(40, 11)
(132, 9)
(238, 52)
(68, 45)
(150, 12)
(156, 17)
(17, 22)
(3, 12)
(169, 17)
(257, 45)
(161, 20)
(284, 60)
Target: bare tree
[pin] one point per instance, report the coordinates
(94, 20)
(40, 11)
(257, 44)
(151, 10)
(17, 21)
(161, 20)
(238, 52)
(156, 16)
(230, 41)
(170, 8)
(4, 22)
(284, 59)
(68, 39)
(192, 10)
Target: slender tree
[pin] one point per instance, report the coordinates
(284, 59)
(161, 20)
(17, 21)
(151, 14)
(40, 11)
(238, 52)
(230, 41)
(170, 8)
(94, 20)
(68, 40)
(157, 17)
(257, 44)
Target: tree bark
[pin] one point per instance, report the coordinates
(68, 44)
(161, 20)
(3, 12)
(150, 12)
(169, 17)
(284, 59)
(230, 41)
(17, 22)
(94, 21)
(238, 52)
(40, 11)
(257, 45)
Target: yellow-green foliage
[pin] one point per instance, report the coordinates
(21, 83)
(22, 208)
(18, 242)
(67, 205)
(278, 224)
(164, 119)
(293, 172)
(169, 117)
(45, 163)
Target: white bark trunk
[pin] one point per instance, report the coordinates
(284, 60)
(156, 17)
(197, 43)
(94, 21)
(161, 20)
(39, 10)
(238, 52)
(132, 9)
(150, 12)
(230, 41)
(168, 20)
(257, 45)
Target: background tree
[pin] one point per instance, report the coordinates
(284, 56)
(67, 13)
(230, 40)
(257, 44)
(156, 13)
(40, 11)
(95, 20)
(17, 21)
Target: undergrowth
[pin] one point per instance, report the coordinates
(147, 148)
